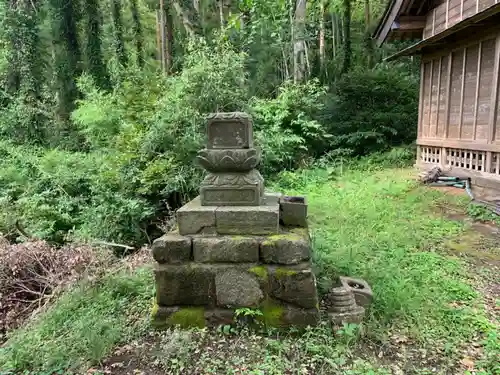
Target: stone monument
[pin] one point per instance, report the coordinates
(235, 245)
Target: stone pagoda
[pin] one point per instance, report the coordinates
(235, 245)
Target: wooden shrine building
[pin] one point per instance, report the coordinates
(459, 110)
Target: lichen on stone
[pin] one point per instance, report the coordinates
(188, 317)
(260, 272)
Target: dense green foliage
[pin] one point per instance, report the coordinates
(97, 143)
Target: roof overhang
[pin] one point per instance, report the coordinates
(402, 19)
(466, 29)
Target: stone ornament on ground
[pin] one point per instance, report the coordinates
(230, 250)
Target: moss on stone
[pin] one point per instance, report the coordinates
(290, 236)
(284, 272)
(302, 232)
(188, 317)
(260, 272)
(272, 313)
(154, 310)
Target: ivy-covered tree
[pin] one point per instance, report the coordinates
(93, 49)
(67, 55)
(116, 13)
(137, 27)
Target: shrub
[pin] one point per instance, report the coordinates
(372, 110)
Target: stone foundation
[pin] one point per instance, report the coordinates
(203, 279)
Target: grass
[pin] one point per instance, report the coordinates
(378, 226)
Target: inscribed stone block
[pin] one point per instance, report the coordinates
(229, 130)
(236, 249)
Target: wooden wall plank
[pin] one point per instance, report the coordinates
(438, 98)
(476, 96)
(430, 96)
(421, 99)
(461, 120)
(492, 123)
(448, 97)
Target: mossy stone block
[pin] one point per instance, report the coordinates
(289, 247)
(233, 249)
(237, 288)
(295, 285)
(187, 284)
(172, 248)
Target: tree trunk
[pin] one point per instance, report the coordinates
(185, 19)
(368, 37)
(95, 61)
(299, 48)
(65, 39)
(322, 35)
(346, 64)
(137, 26)
(116, 12)
(170, 39)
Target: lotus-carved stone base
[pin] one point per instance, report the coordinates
(230, 160)
(232, 189)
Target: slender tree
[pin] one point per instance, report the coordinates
(346, 63)
(299, 44)
(137, 26)
(67, 54)
(94, 58)
(116, 12)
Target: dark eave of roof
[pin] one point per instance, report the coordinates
(489, 18)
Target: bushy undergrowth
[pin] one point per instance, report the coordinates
(131, 159)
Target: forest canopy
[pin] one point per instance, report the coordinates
(102, 102)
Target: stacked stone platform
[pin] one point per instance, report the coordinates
(231, 248)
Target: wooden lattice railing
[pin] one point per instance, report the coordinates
(480, 161)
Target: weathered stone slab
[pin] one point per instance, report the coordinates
(234, 249)
(193, 218)
(293, 211)
(229, 130)
(256, 220)
(172, 248)
(295, 285)
(289, 247)
(186, 284)
(237, 288)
